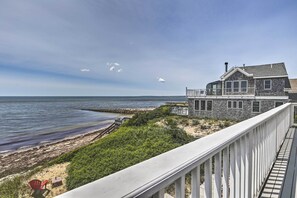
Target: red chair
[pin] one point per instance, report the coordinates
(37, 184)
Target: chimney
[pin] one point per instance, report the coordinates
(226, 66)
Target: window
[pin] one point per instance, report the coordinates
(209, 105)
(243, 86)
(236, 86)
(267, 84)
(240, 104)
(256, 107)
(234, 104)
(202, 105)
(228, 86)
(277, 104)
(229, 104)
(196, 104)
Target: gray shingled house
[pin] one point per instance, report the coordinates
(241, 93)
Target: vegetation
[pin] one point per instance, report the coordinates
(8, 189)
(124, 148)
(140, 119)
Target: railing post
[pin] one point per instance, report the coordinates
(208, 178)
(243, 166)
(237, 169)
(180, 187)
(248, 164)
(232, 171)
(226, 168)
(195, 182)
(218, 176)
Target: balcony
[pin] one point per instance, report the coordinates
(234, 162)
(192, 93)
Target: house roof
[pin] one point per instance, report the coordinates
(267, 70)
(293, 83)
(260, 71)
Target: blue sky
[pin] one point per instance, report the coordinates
(55, 47)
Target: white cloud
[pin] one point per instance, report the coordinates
(116, 64)
(111, 68)
(85, 70)
(161, 80)
(120, 70)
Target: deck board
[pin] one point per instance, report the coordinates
(282, 174)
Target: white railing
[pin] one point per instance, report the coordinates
(238, 157)
(195, 92)
(219, 92)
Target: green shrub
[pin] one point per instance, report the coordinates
(140, 119)
(204, 126)
(227, 123)
(184, 122)
(169, 121)
(124, 148)
(195, 122)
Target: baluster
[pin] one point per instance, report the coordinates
(226, 168)
(218, 176)
(232, 171)
(208, 178)
(242, 166)
(237, 169)
(195, 182)
(180, 187)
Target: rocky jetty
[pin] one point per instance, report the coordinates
(122, 110)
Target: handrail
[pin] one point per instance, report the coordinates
(247, 150)
(219, 92)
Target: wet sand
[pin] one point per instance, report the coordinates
(24, 159)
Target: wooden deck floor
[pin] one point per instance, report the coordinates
(281, 181)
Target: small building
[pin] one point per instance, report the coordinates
(241, 93)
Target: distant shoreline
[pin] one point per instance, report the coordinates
(122, 110)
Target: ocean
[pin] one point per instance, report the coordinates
(29, 121)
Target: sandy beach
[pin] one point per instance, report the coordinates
(24, 159)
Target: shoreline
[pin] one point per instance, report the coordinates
(24, 159)
(28, 157)
(123, 111)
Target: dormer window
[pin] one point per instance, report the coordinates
(267, 84)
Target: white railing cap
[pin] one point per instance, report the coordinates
(140, 178)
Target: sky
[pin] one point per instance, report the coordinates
(136, 48)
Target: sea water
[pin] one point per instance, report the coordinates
(29, 121)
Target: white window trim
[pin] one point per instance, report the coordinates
(253, 107)
(211, 105)
(238, 86)
(228, 105)
(195, 105)
(205, 105)
(231, 89)
(238, 104)
(247, 86)
(269, 83)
